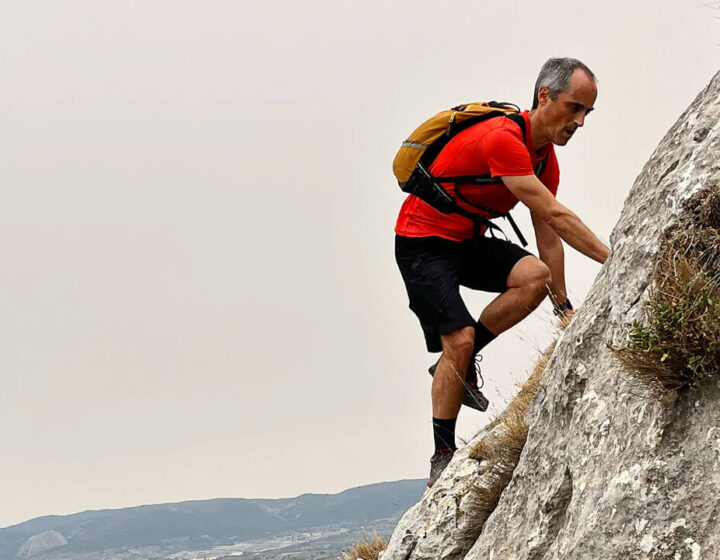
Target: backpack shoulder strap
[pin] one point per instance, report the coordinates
(519, 120)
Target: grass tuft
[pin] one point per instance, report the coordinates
(367, 549)
(677, 343)
(501, 449)
(528, 389)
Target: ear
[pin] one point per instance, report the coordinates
(543, 95)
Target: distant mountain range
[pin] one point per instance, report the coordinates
(175, 530)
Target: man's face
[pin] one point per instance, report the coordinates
(562, 117)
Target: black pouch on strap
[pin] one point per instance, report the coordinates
(423, 185)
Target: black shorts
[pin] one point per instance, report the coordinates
(434, 268)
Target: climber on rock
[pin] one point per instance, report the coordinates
(438, 251)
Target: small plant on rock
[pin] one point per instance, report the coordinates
(677, 345)
(367, 549)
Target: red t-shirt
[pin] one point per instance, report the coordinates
(493, 147)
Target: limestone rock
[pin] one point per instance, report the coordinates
(608, 470)
(441, 525)
(41, 542)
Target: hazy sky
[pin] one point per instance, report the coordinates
(200, 297)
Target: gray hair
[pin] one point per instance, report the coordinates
(556, 74)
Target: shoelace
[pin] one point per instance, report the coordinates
(475, 362)
(477, 359)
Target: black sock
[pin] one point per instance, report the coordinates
(444, 432)
(482, 337)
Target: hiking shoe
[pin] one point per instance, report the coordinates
(473, 395)
(474, 398)
(438, 462)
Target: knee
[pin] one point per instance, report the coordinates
(537, 279)
(540, 281)
(538, 276)
(459, 344)
(541, 274)
(530, 272)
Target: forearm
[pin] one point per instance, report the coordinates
(576, 234)
(554, 257)
(560, 219)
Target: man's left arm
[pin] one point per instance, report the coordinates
(552, 254)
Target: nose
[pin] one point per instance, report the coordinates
(580, 119)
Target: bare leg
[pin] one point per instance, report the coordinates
(448, 385)
(526, 290)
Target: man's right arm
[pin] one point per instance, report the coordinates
(531, 192)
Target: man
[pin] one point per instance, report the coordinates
(437, 252)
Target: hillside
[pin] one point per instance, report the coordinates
(201, 525)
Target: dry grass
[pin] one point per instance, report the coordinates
(367, 549)
(501, 450)
(677, 344)
(528, 389)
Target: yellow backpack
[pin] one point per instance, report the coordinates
(417, 153)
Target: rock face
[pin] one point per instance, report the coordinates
(41, 543)
(438, 527)
(608, 471)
